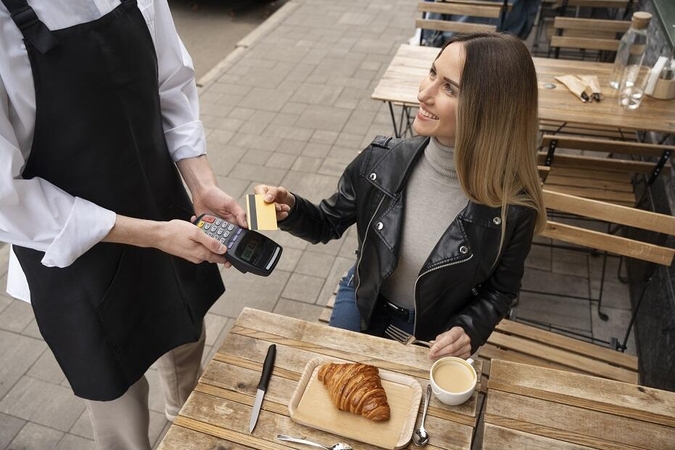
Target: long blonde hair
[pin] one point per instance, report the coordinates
(497, 125)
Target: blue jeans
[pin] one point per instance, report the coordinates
(346, 315)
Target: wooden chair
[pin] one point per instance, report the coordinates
(589, 173)
(471, 8)
(519, 342)
(550, 9)
(587, 34)
(532, 407)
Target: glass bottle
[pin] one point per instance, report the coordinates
(632, 47)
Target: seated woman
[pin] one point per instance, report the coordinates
(444, 219)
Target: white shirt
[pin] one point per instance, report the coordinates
(36, 214)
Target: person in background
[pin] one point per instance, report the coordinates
(99, 128)
(445, 219)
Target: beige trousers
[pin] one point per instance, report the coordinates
(122, 424)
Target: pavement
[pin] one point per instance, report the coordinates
(289, 106)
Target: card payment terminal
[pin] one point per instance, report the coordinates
(247, 250)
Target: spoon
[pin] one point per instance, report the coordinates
(338, 446)
(420, 436)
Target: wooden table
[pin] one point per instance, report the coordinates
(400, 83)
(533, 407)
(217, 413)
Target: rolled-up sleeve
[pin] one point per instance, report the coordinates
(178, 93)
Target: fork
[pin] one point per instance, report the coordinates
(403, 337)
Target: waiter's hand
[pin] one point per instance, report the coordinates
(454, 342)
(282, 199)
(183, 239)
(214, 201)
(176, 237)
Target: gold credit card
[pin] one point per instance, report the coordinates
(260, 215)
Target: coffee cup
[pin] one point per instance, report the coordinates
(453, 379)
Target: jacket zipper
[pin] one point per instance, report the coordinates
(427, 272)
(365, 237)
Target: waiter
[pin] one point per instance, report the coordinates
(98, 122)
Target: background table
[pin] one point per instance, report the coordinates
(400, 83)
(218, 411)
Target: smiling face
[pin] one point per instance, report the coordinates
(438, 96)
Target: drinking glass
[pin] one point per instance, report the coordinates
(632, 87)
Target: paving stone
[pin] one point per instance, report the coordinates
(16, 316)
(315, 150)
(298, 310)
(303, 288)
(327, 118)
(289, 259)
(83, 427)
(17, 353)
(555, 283)
(281, 160)
(570, 262)
(258, 173)
(340, 266)
(311, 186)
(297, 133)
(9, 428)
(317, 94)
(539, 258)
(314, 263)
(4, 259)
(567, 313)
(36, 437)
(256, 141)
(232, 186)
(157, 424)
(5, 301)
(247, 290)
(44, 403)
(214, 326)
(256, 157)
(47, 369)
(72, 442)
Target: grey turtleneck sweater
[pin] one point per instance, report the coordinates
(433, 198)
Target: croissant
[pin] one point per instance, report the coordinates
(356, 388)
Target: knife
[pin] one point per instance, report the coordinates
(268, 366)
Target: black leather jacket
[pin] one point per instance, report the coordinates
(460, 283)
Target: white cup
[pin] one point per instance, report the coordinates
(632, 87)
(453, 379)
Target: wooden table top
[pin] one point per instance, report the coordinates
(400, 82)
(218, 411)
(536, 407)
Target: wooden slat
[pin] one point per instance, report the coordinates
(567, 343)
(585, 43)
(611, 197)
(574, 23)
(633, 217)
(593, 3)
(564, 358)
(603, 145)
(612, 244)
(615, 177)
(492, 10)
(448, 25)
(595, 163)
(489, 352)
(599, 394)
(496, 437)
(604, 185)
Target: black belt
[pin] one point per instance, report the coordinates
(400, 312)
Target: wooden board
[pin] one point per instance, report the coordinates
(311, 406)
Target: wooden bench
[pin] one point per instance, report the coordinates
(589, 173)
(532, 407)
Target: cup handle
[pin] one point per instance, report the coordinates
(470, 361)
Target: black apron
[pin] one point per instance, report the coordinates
(98, 135)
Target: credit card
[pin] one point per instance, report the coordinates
(260, 215)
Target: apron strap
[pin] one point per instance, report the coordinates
(33, 30)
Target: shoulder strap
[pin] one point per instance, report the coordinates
(33, 30)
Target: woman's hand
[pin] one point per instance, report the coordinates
(282, 199)
(214, 201)
(454, 342)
